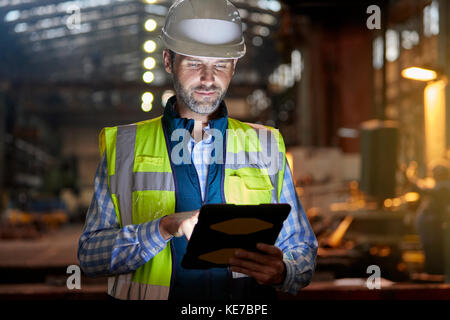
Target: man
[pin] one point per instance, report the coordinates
(155, 175)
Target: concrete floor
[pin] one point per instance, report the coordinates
(54, 249)
(36, 269)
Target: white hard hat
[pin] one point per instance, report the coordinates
(204, 28)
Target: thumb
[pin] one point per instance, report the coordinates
(194, 217)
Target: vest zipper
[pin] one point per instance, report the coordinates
(206, 186)
(203, 201)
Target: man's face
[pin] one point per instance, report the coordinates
(201, 83)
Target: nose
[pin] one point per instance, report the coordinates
(207, 76)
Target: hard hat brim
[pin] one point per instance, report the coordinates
(226, 51)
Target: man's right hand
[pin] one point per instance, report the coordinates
(178, 224)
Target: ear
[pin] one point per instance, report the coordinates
(167, 62)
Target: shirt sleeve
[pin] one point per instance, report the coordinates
(104, 247)
(296, 240)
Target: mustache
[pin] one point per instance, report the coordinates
(206, 89)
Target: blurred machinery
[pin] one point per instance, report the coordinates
(357, 234)
(433, 217)
(379, 145)
(397, 226)
(405, 235)
(28, 225)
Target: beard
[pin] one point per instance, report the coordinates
(203, 106)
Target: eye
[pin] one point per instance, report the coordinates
(221, 66)
(193, 65)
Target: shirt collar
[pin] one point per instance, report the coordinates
(172, 120)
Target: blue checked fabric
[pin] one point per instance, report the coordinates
(106, 249)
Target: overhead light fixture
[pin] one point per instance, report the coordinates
(435, 122)
(149, 63)
(147, 97)
(150, 25)
(146, 106)
(434, 111)
(420, 74)
(149, 46)
(148, 76)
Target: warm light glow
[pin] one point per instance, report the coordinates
(420, 74)
(148, 76)
(146, 107)
(401, 266)
(411, 171)
(435, 124)
(388, 203)
(151, 1)
(373, 250)
(149, 46)
(147, 97)
(337, 236)
(384, 252)
(412, 197)
(354, 185)
(150, 25)
(396, 202)
(413, 257)
(426, 183)
(149, 63)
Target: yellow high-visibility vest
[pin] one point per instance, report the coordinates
(142, 187)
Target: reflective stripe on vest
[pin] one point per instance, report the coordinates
(255, 161)
(140, 195)
(143, 189)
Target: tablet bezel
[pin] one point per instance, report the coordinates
(204, 239)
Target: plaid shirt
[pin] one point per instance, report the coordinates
(105, 248)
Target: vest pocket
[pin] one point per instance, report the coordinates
(150, 205)
(245, 189)
(146, 163)
(149, 160)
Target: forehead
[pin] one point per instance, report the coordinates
(203, 59)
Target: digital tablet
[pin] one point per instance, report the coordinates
(223, 228)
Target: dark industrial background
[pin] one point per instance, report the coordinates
(369, 148)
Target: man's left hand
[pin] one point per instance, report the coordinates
(267, 267)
